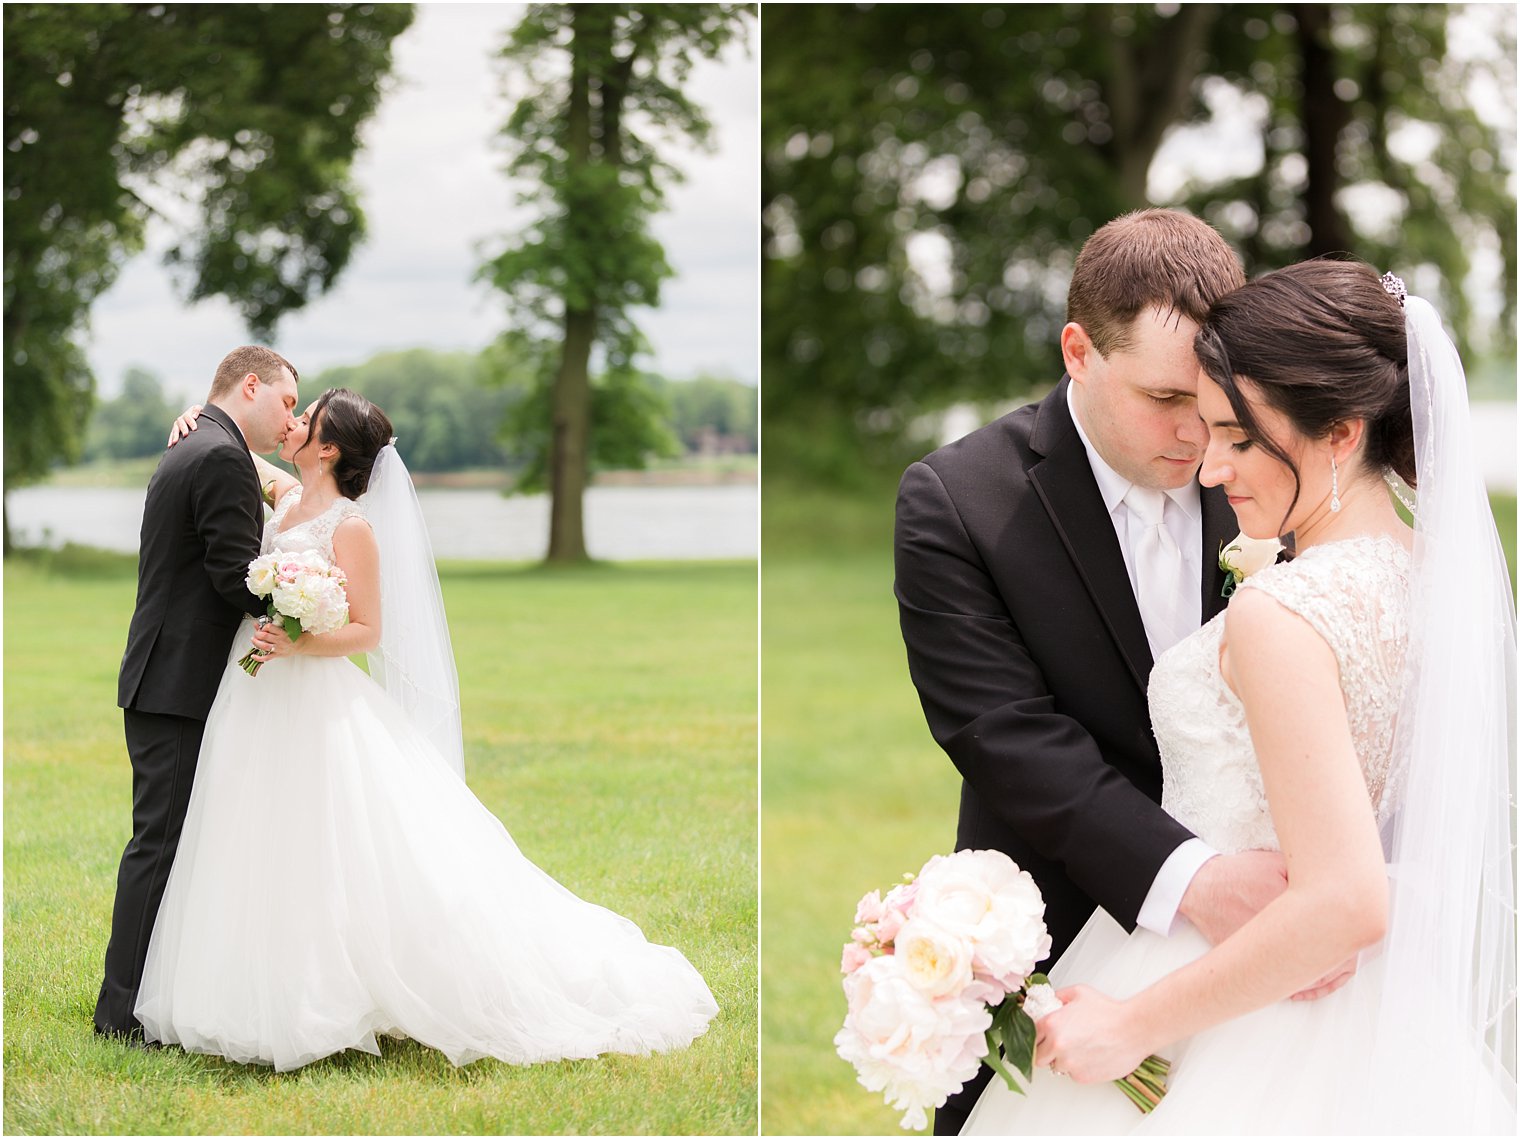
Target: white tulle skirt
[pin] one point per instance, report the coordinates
(1292, 1068)
(336, 880)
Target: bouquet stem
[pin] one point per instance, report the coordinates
(292, 630)
(1146, 1084)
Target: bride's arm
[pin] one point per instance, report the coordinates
(1336, 902)
(356, 553)
(273, 482)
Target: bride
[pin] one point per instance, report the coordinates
(336, 879)
(1351, 707)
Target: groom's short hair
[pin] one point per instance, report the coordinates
(265, 363)
(1148, 257)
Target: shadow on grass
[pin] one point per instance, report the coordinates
(399, 1058)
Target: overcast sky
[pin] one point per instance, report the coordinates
(432, 187)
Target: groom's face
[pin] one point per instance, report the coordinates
(1139, 403)
(273, 412)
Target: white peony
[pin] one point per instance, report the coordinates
(329, 606)
(262, 573)
(296, 598)
(938, 962)
(982, 896)
(1040, 1001)
(916, 1049)
(307, 587)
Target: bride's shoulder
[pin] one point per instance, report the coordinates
(1345, 590)
(351, 522)
(1355, 567)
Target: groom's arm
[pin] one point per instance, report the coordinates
(988, 705)
(219, 505)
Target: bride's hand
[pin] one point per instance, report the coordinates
(1091, 1038)
(271, 641)
(1329, 982)
(184, 424)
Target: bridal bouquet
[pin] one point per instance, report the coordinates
(305, 593)
(939, 977)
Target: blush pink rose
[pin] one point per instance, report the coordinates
(854, 957)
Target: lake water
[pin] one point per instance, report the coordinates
(622, 523)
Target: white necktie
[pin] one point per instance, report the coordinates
(1160, 578)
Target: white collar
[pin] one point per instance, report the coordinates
(1113, 486)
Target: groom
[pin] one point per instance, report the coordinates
(1043, 562)
(200, 529)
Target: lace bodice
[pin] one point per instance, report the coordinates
(313, 534)
(1355, 594)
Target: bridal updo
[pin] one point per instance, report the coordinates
(1321, 342)
(357, 428)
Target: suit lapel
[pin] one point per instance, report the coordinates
(1219, 526)
(1064, 481)
(224, 421)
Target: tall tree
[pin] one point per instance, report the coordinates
(930, 171)
(251, 111)
(605, 83)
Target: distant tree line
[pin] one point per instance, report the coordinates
(459, 410)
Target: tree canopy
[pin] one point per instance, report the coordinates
(600, 91)
(930, 172)
(250, 113)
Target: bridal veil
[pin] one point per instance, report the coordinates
(415, 659)
(1450, 945)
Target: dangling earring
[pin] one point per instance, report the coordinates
(1335, 488)
(319, 473)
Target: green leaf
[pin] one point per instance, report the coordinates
(1018, 1038)
(992, 1061)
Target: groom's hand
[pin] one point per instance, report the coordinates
(1230, 889)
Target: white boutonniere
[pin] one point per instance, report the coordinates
(1244, 556)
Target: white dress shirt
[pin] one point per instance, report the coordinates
(1184, 522)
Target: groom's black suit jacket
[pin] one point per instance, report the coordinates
(1028, 651)
(200, 530)
(201, 524)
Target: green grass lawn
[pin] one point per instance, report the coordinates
(853, 791)
(609, 718)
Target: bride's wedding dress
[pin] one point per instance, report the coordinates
(336, 880)
(1295, 1067)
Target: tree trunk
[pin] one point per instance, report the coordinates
(568, 460)
(1149, 85)
(570, 438)
(1323, 115)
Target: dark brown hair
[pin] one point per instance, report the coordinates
(1149, 257)
(1321, 342)
(265, 363)
(357, 428)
